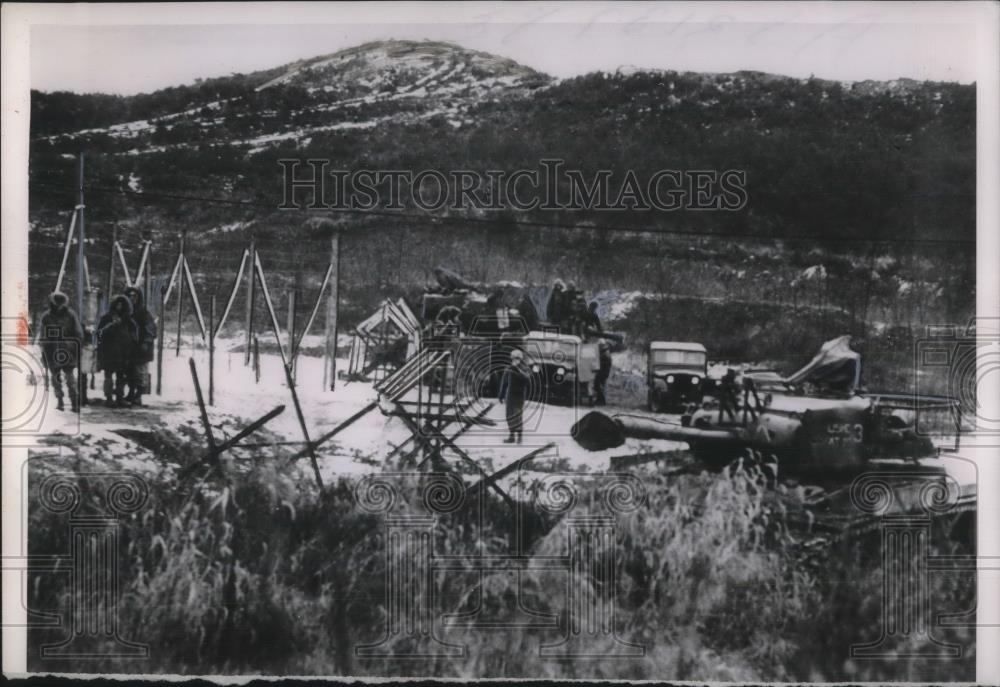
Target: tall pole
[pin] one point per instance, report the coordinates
(161, 334)
(211, 351)
(251, 281)
(81, 267)
(111, 269)
(147, 285)
(80, 280)
(180, 293)
(291, 332)
(331, 311)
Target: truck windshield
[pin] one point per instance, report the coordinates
(686, 358)
(548, 347)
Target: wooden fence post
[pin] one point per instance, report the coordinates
(211, 351)
(291, 333)
(251, 280)
(180, 295)
(159, 343)
(111, 268)
(147, 275)
(256, 359)
(330, 362)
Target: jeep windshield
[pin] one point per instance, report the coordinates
(667, 358)
(549, 349)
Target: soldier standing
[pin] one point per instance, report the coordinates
(514, 390)
(62, 338)
(603, 372)
(555, 309)
(144, 353)
(117, 336)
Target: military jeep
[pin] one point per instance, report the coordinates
(674, 375)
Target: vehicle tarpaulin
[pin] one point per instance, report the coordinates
(835, 366)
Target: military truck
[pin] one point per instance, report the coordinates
(675, 371)
(564, 366)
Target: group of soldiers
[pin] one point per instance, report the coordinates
(568, 309)
(125, 338)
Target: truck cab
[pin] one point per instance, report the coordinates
(674, 375)
(563, 364)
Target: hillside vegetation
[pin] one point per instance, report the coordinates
(829, 167)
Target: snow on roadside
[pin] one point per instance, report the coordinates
(359, 449)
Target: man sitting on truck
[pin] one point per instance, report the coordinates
(555, 309)
(593, 321)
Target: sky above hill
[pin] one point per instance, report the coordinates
(857, 45)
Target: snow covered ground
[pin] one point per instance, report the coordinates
(120, 438)
(362, 448)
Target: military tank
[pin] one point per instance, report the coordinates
(814, 422)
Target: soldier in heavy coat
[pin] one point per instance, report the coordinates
(144, 353)
(603, 372)
(555, 309)
(117, 342)
(514, 390)
(61, 340)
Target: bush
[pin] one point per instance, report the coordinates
(262, 574)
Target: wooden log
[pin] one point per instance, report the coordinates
(201, 406)
(336, 430)
(310, 449)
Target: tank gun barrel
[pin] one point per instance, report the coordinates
(597, 431)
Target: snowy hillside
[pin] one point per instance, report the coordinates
(358, 88)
